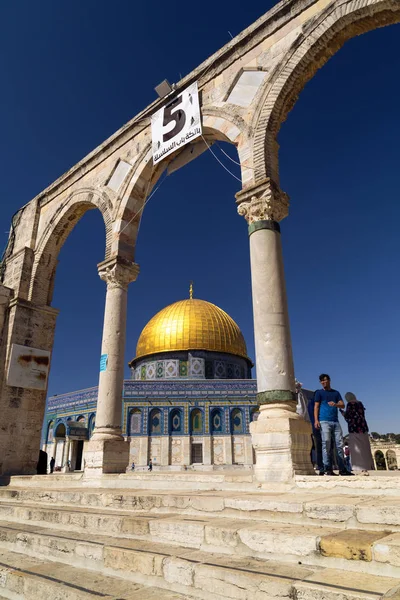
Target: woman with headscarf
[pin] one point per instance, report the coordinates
(360, 448)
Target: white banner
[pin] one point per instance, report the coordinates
(176, 124)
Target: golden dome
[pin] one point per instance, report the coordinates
(191, 325)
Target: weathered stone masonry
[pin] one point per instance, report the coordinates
(247, 89)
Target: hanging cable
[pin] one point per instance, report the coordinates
(232, 159)
(221, 163)
(145, 202)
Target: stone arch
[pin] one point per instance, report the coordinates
(60, 430)
(65, 217)
(217, 125)
(391, 460)
(316, 43)
(380, 460)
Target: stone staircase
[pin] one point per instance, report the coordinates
(70, 538)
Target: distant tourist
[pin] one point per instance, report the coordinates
(52, 463)
(359, 446)
(326, 418)
(133, 466)
(150, 467)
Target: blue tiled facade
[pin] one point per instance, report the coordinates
(226, 407)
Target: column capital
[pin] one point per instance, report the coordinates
(264, 201)
(118, 272)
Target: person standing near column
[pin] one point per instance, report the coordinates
(327, 403)
(359, 445)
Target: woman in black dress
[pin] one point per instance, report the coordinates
(360, 448)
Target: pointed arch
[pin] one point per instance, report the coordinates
(316, 42)
(59, 226)
(237, 421)
(196, 421)
(219, 125)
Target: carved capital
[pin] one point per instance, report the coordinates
(118, 272)
(263, 202)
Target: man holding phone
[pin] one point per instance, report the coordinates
(326, 417)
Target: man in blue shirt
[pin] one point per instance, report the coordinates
(326, 418)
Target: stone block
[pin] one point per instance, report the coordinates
(387, 550)
(336, 508)
(105, 456)
(135, 525)
(351, 544)
(282, 445)
(122, 559)
(332, 584)
(382, 511)
(223, 533)
(184, 531)
(281, 540)
(179, 571)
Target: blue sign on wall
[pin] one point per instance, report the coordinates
(103, 362)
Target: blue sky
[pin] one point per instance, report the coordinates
(74, 72)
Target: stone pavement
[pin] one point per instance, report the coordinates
(71, 537)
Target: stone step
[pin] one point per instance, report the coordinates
(186, 572)
(241, 479)
(27, 578)
(358, 550)
(317, 508)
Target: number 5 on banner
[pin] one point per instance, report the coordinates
(176, 124)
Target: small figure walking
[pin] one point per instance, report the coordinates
(133, 466)
(52, 463)
(150, 467)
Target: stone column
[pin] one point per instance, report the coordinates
(55, 440)
(66, 455)
(281, 439)
(207, 453)
(107, 452)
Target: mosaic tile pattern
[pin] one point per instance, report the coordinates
(196, 367)
(151, 371)
(171, 368)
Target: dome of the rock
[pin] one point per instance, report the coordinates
(191, 324)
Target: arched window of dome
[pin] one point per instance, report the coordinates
(135, 422)
(81, 419)
(49, 437)
(175, 422)
(237, 421)
(155, 422)
(196, 421)
(217, 421)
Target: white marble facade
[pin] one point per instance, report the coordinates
(177, 451)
